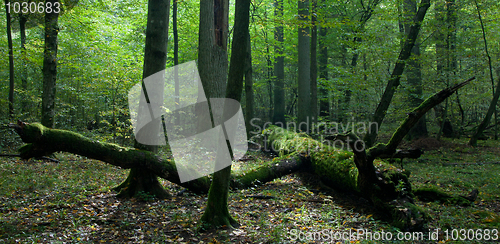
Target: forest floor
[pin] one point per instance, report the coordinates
(72, 201)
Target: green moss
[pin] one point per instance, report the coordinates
(263, 173)
(334, 166)
(33, 132)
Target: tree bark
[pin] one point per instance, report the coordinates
(24, 73)
(249, 96)
(324, 104)
(11, 62)
(279, 66)
(394, 81)
(304, 68)
(50, 67)
(155, 58)
(354, 173)
(216, 213)
(314, 65)
(176, 59)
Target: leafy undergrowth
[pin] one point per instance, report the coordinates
(71, 201)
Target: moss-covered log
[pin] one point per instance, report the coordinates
(268, 171)
(45, 141)
(384, 185)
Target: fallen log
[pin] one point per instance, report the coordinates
(45, 141)
(384, 185)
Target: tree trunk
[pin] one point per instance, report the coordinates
(155, 57)
(324, 104)
(50, 67)
(314, 65)
(279, 67)
(496, 93)
(213, 38)
(11, 62)
(249, 97)
(24, 73)
(414, 73)
(394, 81)
(176, 60)
(304, 77)
(217, 213)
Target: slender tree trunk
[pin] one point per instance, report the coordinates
(249, 87)
(414, 73)
(216, 212)
(24, 81)
(49, 68)
(394, 80)
(496, 93)
(176, 60)
(324, 104)
(441, 65)
(11, 63)
(304, 77)
(279, 66)
(155, 58)
(314, 64)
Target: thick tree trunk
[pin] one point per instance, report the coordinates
(155, 57)
(217, 213)
(50, 68)
(386, 187)
(304, 76)
(279, 67)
